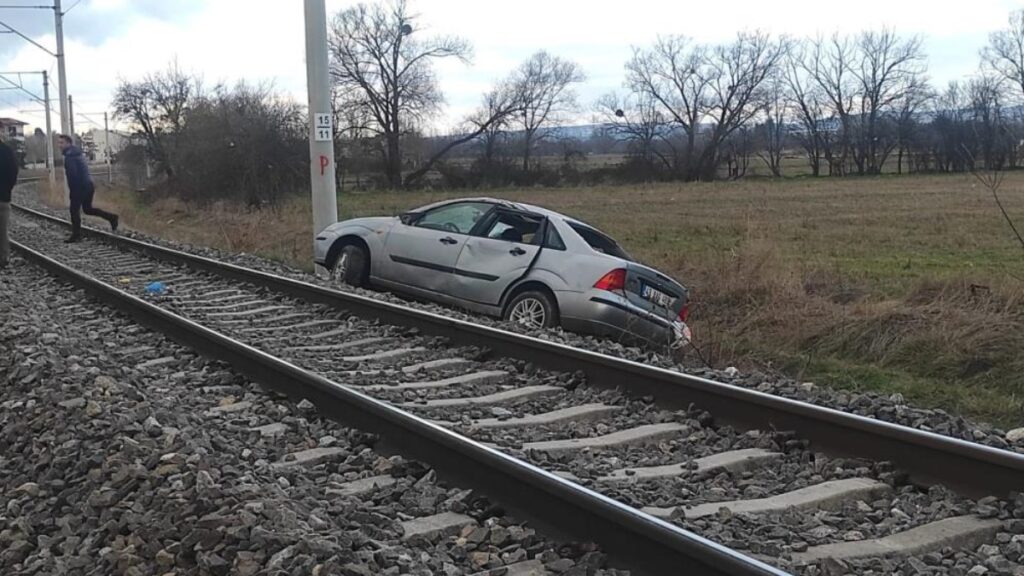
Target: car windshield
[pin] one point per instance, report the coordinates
(599, 241)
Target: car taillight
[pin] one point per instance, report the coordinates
(684, 313)
(614, 280)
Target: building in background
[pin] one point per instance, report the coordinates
(13, 129)
(95, 145)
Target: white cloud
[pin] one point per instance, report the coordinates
(108, 5)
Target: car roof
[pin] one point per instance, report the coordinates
(517, 205)
(547, 212)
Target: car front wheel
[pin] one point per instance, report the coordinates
(351, 266)
(533, 309)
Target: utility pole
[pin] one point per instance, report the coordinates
(44, 100)
(71, 121)
(106, 149)
(66, 127)
(65, 117)
(321, 130)
(49, 130)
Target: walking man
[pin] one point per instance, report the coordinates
(8, 178)
(82, 189)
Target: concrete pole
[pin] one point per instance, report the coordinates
(71, 121)
(62, 79)
(106, 149)
(321, 130)
(49, 130)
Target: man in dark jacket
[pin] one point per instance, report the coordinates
(82, 189)
(8, 178)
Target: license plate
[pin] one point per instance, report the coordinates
(657, 296)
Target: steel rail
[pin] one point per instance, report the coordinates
(929, 458)
(631, 538)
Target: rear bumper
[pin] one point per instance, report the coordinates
(607, 314)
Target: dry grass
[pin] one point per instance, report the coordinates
(909, 284)
(283, 233)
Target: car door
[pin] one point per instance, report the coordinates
(499, 252)
(423, 252)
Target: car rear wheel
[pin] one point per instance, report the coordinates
(533, 309)
(351, 266)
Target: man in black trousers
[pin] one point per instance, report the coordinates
(82, 189)
(8, 178)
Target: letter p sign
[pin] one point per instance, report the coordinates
(324, 162)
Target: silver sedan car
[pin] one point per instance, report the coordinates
(519, 262)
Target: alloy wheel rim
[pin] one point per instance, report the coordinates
(529, 312)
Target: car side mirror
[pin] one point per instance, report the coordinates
(407, 218)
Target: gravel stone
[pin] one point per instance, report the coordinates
(133, 476)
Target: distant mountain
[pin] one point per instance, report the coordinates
(587, 131)
(581, 132)
(578, 132)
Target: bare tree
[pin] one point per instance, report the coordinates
(356, 143)
(721, 86)
(670, 75)
(866, 79)
(906, 126)
(156, 107)
(808, 104)
(889, 71)
(499, 105)
(830, 64)
(772, 130)
(35, 147)
(950, 132)
(736, 152)
(973, 127)
(495, 133)
(375, 52)
(545, 85)
(738, 74)
(244, 142)
(1005, 51)
(638, 121)
(989, 124)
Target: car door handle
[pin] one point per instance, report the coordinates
(448, 240)
(517, 251)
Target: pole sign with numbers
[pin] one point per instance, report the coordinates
(324, 133)
(322, 167)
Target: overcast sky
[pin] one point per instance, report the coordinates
(262, 40)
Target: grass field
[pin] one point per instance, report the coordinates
(894, 284)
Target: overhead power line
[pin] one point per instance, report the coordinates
(11, 29)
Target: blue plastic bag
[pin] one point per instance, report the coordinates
(156, 288)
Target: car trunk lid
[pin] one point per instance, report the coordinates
(651, 290)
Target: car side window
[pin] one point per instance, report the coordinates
(514, 227)
(459, 217)
(600, 242)
(553, 239)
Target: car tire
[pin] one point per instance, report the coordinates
(533, 309)
(351, 267)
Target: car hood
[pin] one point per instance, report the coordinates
(369, 223)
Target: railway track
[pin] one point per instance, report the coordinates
(640, 459)
(188, 462)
